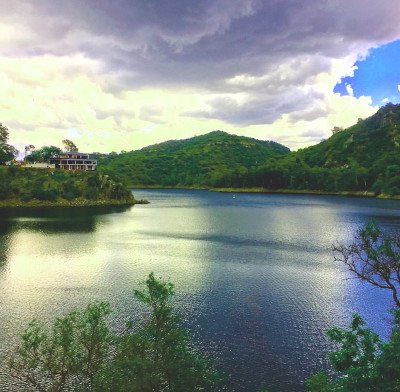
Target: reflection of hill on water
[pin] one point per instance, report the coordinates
(54, 220)
(52, 226)
(5, 234)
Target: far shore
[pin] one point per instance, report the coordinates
(271, 191)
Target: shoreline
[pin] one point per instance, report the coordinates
(66, 203)
(273, 191)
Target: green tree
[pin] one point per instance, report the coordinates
(69, 356)
(43, 154)
(319, 382)
(80, 353)
(69, 145)
(3, 134)
(363, 362)
(158, 356)
(29, 148)
(7, 152)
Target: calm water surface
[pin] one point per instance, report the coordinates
(254, 275)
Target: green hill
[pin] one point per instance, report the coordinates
(51, 187)
(210, 160)
(362, 158)
(372, 143)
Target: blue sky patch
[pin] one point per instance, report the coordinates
(377, 76)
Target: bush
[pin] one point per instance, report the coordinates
(91, 194)
(45, 194)
(363, 362)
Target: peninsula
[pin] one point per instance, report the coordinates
(32, 187)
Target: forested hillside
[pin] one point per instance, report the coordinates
(210, 160)
(364, 157)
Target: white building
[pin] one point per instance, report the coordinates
(73, 161)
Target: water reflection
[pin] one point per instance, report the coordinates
(254, 275)
(5, 238)
(57, 220)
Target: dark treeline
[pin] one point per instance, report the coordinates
(294, 173)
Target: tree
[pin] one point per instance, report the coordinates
(69, 356)
(319, 382)
(69, 145)
(80, 353)
(43, 154)
(158, 355)
(3, 134)
(336, 129)
(29, 148)
(7, 152)
(363, 362)
(373, 257)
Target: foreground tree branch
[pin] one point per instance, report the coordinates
(373, 257)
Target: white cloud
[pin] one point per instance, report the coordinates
(349, 90)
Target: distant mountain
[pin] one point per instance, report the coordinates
(209, 160)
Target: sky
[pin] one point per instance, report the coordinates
(122, 74)
(378, 76)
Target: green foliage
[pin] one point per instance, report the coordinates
(214, 159)
(7, 152)
(69, 356)
(3, 134)
(167, 359)
(319, 382)
(363, 362)
(362, 158)
(357, 355)
(26, 184)
(80, 353)
(43, 154)
(69, 145)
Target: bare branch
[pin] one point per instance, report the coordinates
(373, 257)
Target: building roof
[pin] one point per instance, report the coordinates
(75, 152)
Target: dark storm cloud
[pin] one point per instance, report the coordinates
(204, 45)
(178, 41)
(260, 109)
(309, 114)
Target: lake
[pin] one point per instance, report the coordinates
(255, 279)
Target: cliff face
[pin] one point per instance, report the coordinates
(28, 186)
